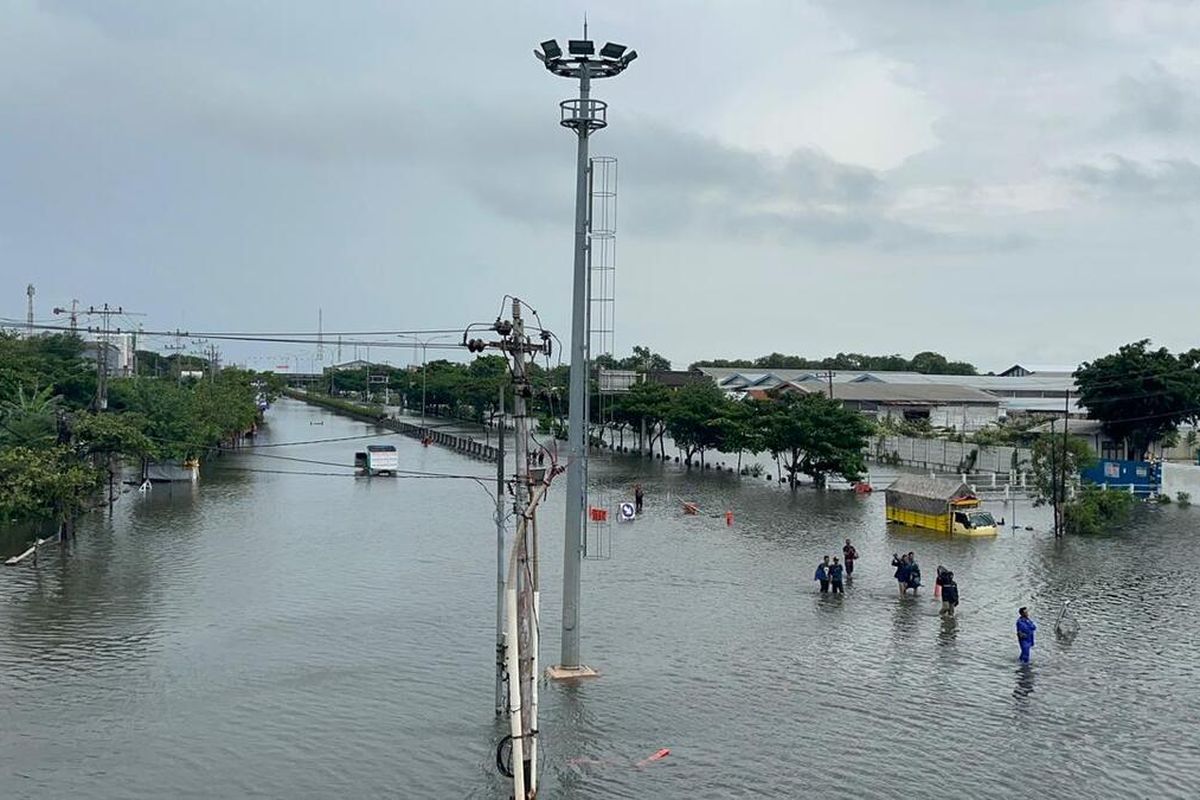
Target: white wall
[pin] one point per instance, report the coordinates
(1181, 478)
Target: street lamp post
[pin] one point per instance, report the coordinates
(583, 115)
(424, 364)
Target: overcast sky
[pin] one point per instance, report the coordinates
(999, 181)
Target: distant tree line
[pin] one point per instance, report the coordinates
(806, 434)
(928, 363)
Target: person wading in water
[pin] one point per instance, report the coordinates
(1025, 629)
(849, 556)
(949, 593)
(835, 577)
(822, 575)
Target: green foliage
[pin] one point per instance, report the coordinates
(926, 362)
(642, 360)
(1013, 432)
(184, 420)
(815, 436)
(1094, 510)
(49, 483)
(30, 421)
(649, 403)
(1046, 465)
(36, 363)
(912, 428)
(356, 407)
(697, 418)
(50, 442)
(1141, 395)
(112, 434)
(1184, 499)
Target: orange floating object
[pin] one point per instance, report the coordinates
(658, 756)
(729, 519)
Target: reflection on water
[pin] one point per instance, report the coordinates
(311, 636)
(1024, 687)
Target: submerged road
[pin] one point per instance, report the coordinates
(277, 634)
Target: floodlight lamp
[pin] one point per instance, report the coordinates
(551, 49)
(581, 47)
(612, 50)
(539, 56)
(630, 56)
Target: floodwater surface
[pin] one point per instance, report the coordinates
(283, 630)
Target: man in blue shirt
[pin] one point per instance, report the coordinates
(823, 575)
(835, 577)
(1025, 629)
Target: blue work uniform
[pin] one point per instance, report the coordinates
(822, 576)
(835, 578)
(1025, 629)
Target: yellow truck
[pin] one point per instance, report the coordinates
(937, 504)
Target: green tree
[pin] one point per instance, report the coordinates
(1046, 465)
(816, 436)
(48, 483)
(30, 419)
(1140, 395)
(111, 434)
(744, 428)
(647, 403)
(696, 419)
(927, 362)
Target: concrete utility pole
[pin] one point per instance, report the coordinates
(1061, 527)
(29, 292)
(827, 375)
(102, 344)
(500, 582)
(521, 591)
(320, 335)
(583, 115)
(73, 311)
(1054, 479)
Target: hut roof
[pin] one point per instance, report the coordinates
(933, 488)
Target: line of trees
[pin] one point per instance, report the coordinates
(57, 452)
(927, 362)
(806, 434)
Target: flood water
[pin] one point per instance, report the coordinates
(282, 635)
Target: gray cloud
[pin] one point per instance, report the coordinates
(1157, 102)
(1163, 180)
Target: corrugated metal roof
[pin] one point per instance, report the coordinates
(1042, 369)
(909, 393)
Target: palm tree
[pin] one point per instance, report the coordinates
(30, 420)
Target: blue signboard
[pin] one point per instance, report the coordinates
(1144, 476)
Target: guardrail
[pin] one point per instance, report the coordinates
(374, 414)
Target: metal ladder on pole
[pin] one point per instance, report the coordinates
(601, 322)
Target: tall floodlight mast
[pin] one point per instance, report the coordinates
(582, 115)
